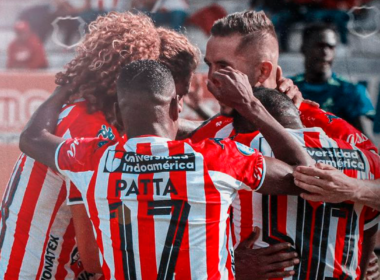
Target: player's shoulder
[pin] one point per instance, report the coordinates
(210, 127)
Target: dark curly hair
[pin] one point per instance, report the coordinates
(113, 41)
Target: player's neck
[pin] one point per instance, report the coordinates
(317, 78)
(161, 129)
(241, 125)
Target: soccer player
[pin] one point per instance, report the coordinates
(334, 94)
(160, 207)
(247, 42)
(330, 239)
(36, 229)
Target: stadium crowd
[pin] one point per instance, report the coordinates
(112, 183)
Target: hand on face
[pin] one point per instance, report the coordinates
(232, 88)
(263, 263)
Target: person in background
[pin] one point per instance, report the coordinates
(320, 84)
(26, 51)
(169, 13)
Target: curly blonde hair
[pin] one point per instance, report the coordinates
(178, 54)
(113, 41)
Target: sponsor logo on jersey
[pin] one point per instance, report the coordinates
(244, 150)
(106, 133)
(50, 257)
(129, 162)
(72, 151)
(338, 158)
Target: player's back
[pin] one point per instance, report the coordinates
(326, 236)
(37, 238)
(165, 211)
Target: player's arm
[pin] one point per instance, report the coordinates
(87, 246)
(369, 241)
(325, 183)
(232, 88)
(37, 140)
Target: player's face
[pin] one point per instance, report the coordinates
(320, 53)
(221, 52)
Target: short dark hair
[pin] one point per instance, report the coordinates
(250, 24)
(278, 105)
(148, 76)
(315, 28)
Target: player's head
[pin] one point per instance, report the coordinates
(180, 56)
(318, 46)
(113, 41)
(247, 42)
(278, 105)
(146, 96)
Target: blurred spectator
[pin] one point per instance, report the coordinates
(309, 11)
(26, 50)
(334, 94)
(204, 18)
(169, 13)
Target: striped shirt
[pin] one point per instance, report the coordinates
(311, 116)
(37, 239)
(327, 237)
(160, 208)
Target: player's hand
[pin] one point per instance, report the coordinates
(264, 263)
(287, 87)
(324, 183)
(232, 88)
(311, 102)
(373, 270)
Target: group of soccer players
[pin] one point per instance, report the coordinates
(104, 189)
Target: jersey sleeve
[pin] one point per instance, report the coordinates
(244, 164)
(77, 159)
(334, 127)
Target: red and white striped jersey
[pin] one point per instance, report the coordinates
(327, 237)
(311, 116)
(37, 239)
(160, 208)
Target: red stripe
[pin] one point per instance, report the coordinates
(24, 220)
(183, 269)
(60, 199)
(310, 257)
(213, 210)
(282, 202)
(147, 246)
(68, 245)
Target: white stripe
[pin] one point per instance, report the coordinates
(197, 218)
(13, 216)
(40, 223)
(225, 131)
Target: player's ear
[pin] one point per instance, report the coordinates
(117, 113)
(180, 102)
(265, 71)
